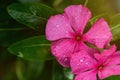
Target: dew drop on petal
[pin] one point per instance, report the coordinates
(78, 64)
(57, 46)
(66, 31)
(55, 50)
(66, 59)
(57, 25)
(67, 24)
(66, 34)
(87, 63)
(76, 18)
(64, 56)
(20, 54)
(82, 60)
(56, 33)
(118, 53)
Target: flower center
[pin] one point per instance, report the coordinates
(78, 37)
(100, 67)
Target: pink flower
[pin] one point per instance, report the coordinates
(66, 33)
(101, 65)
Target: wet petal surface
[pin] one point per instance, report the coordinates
(62, 50)
(88, 75)
(78, 16)
(82, 61)
(58, 27)
(99, 34)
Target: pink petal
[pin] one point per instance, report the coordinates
(99, 34)
(62, 50)
(109, 52)
(83, 46)
(82, 61)
(105, 54)
(58, 27)
(78, 16)
(114, 60)
(109, 71)
(88, 75)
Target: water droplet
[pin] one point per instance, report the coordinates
(78, 64)
(66, 31)
(57, 25)
(57, 46)
(64, 56)
(67, 24)
(118, 53)
(66, 59)
(55, 50)
(67, 35)
(82, 60)
(20, 54)
(76, 18)
(87, 63)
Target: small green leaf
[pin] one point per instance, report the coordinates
(115, 26)
(26, 70)
(57, 73)
(68, 73)
(115, 19)
(46, 73)
(28, 1)
(35, 48)
(33, 15)
(113, 78)
(96, 18)
(11, 29)
(116, 32)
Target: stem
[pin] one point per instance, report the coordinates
(98, 77)
(86, 2)
(19, 71)
(11, 29)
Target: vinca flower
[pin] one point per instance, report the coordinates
(97, 67)
(65, 31)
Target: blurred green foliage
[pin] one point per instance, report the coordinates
(33, 15)
(24, 51)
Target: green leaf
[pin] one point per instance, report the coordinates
(92, 20)
(101, 7)
(46, 73)
(11, 29)
(35, 48)
(60, 73)
(68, 73)
(116, 32)
(115, 27)
(33, 15)
(57, 73)
(113, 78)
(26, 70)
(27, 1)
(115, 19)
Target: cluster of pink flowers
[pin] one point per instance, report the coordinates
(70, 49)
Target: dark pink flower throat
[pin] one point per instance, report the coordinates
(100, 67)
(78, 38)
